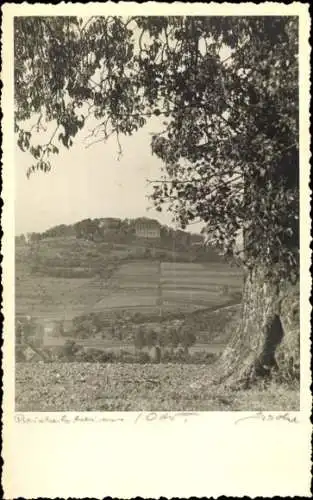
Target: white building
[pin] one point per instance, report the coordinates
(109, 223)
(147, 229)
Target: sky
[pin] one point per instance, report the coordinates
(89, 182)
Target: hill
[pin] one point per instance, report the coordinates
(143, 231)
(62, 277)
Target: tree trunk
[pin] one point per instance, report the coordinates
(265, 324)
(288, 352)
(251, 351)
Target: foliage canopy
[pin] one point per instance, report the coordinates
(230, 132)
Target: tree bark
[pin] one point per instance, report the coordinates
(265, 325)
(288, 352)
(252, 348)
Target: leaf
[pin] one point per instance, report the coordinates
(226, 118)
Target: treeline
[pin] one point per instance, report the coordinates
(130, 329)
(114, 230)
(119, 324)
(123, 231)
(169, 335)
(72, 352)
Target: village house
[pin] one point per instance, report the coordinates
(49, 333)
(146, 228)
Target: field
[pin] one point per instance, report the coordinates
(61, 279)
(205, 294)
(124, 387)
(103, 284)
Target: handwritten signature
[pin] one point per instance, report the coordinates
(270, 418)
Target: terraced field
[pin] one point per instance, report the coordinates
(56, 297)
(194, 286)
(142, 285)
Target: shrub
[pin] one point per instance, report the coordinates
(173, 337)
(107, 357)
(180, 355)
(139, 340)
(126, 357)
(187, 337)
(150, 338)
(92, 355)
(143, 357)
(69, 350)
(167, 356)
(55, 353)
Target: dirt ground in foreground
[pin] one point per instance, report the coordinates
(130, 387)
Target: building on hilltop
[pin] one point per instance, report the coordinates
(147, 228)
(109, 223)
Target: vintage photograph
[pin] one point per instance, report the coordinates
(157, 248)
